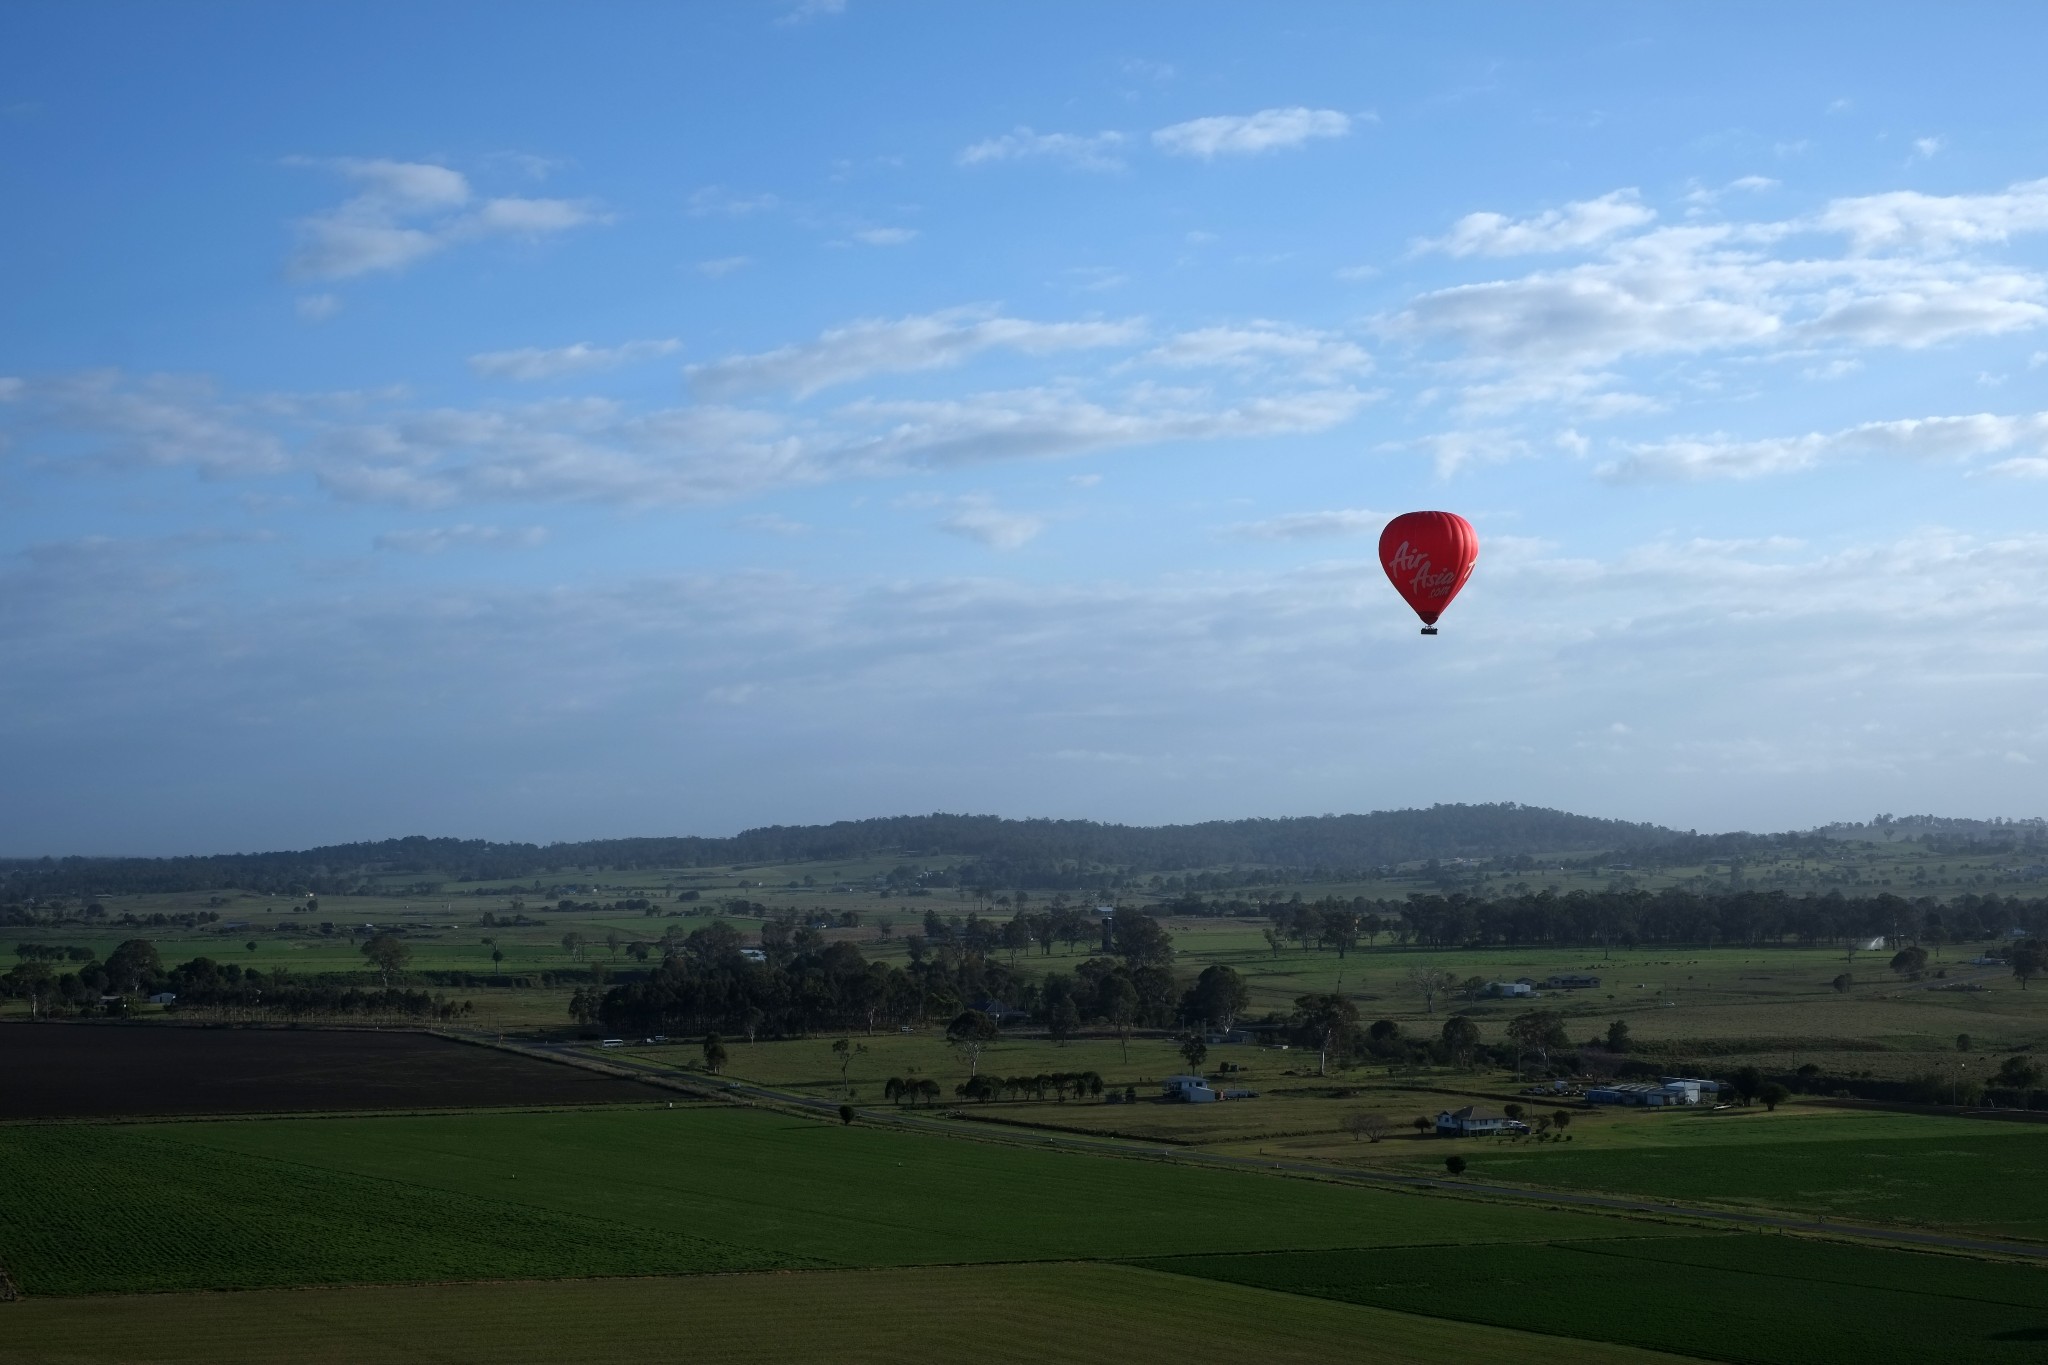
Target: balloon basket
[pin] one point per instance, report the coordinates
(1429, 630)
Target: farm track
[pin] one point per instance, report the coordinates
(1840, 1231)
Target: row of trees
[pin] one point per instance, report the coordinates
(226, 990)
(705, 982)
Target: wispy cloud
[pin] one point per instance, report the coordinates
(886, 236)
(433, 540)
(405, 211)
(1084, 151)
(718, 201)
(920, 342)
(1343, 522)
(533, 363)
(1249, 134)
(1313, 355)
(975, 516)
(1573, 226)
(1923, 438)
(1906, 280)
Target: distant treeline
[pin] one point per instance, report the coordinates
(1048, 854)
(1628, 918)
(209, 988)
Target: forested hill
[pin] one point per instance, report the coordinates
(1007, 850)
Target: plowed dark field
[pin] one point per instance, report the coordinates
(105, 1071)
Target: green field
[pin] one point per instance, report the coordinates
(991, 1315)
(88, 1208)
(1978, 1176)
(1761, 1300)
(337, 1200)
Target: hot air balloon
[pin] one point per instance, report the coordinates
(1428, 556)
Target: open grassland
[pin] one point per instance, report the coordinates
(1951, 1173)
(619, 1191)
(1759, 1300)
(993, 1315)
(123, 1209)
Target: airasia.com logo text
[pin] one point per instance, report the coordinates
(1423, 583)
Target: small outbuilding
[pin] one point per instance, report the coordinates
(1189, 1090)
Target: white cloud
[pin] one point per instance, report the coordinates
(405, 211)
(1575, 225)
(1084, 151)
(318, 307)
(885, 236)
(1313, 355)
(903, 345)
(104, 417)
(1260, 380)
(724, 265)
(1719, 287)
(433, 540)
(1926, 438)
(1248, 134)
(1314, 525)
(1927, 148)
(531, 362)
(1909, 220)
(1747, 671)
(976, 517)
(591, 451)
(1040, 424)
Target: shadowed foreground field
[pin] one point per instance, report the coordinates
(257, 1203)
(1758, 1300)
(992, 1315)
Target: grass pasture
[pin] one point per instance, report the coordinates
(1977, 1176)
(993, 1315)
(91, 1209)
(870, 1196)
(1758, 1300)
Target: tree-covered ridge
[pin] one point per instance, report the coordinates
(1008, 852)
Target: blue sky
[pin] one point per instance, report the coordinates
(547, 422)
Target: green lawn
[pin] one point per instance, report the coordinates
(1970, 1175)
(1759, 1300)
(990, 1315)
(93, 1208)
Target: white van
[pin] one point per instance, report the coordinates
(613, 1042)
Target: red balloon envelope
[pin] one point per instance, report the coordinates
(1428, 556)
